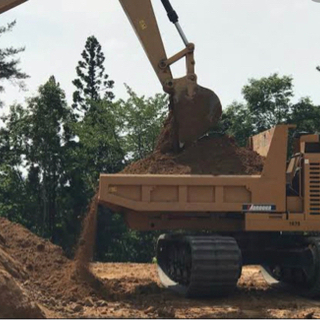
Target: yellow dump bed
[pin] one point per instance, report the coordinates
(191, 196)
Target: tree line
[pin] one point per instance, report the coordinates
(52, 153)
(267, 102)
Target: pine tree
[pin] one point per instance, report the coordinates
(93, 83)
(45, 133)
(9, 64)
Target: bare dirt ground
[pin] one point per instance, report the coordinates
(37, 280)
(143, 297)
(140, 295)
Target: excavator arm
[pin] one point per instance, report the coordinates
(141, 15)
(6, 5)
(195, 109)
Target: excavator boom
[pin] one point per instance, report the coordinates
(141, 15)
(6, 5)
(195, 109)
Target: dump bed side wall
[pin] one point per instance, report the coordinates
(152, 193)
(261, 143)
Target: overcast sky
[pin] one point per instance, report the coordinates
(235, 40)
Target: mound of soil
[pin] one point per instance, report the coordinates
(10, 265)
(209, 155)
(14, 302)
(46, 265)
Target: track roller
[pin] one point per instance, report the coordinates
(305, 280)
(199, 266)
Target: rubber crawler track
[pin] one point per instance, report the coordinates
(314, 291)
(215, 264)
(310, 289)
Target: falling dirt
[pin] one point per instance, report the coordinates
(86, 245)
(168, 138)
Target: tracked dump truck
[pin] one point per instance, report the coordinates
(270, 219)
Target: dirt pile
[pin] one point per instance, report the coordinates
(14, 302)
(46, 265)
(11, 266)
(46, 275)
(210, 155)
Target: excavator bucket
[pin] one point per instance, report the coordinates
(197, 115)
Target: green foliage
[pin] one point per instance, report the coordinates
(238, 122)
(100, 140)
(93, 83)
(116, 243)
(61, 158)
(305, 115)
(12, 195)
(51, 157)
(9, 69)
(268, 102)
(142, 119)
(37, 137)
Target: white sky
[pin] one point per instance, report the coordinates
(235, 40)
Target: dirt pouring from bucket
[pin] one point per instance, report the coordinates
(211, 155)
